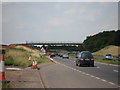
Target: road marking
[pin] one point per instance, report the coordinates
(79, 71)
(98, 67)
(97, 77)
(92, 76)
(83, 73)
(115, 70)
(111, 83)
(88, 74)
(14, 69)
(103, 80)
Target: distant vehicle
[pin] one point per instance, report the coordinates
(60, 54)
(118, 57)
(72, 54)
(108, 56)
(65, 56)
(52, 55)
(85, 58)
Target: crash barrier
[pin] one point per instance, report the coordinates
(2, 66)
(34, 62)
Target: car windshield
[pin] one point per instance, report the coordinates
(108, 55)
(86, 55)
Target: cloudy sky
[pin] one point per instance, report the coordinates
(56, 21)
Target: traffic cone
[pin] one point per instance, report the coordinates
(33, 64)
(2, 68)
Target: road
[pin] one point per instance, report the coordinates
(65, 74)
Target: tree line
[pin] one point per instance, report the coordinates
(102, 39)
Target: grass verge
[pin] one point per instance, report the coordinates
(19, 57)
(5, 85)
(103, 60)
(108, 61)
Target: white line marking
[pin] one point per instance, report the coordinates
(92, 76)
(14, 69)
(103, 80)
(88, 74)
(98, 67)
(83, 73)
(97, 77)
(79, 71)
(111, 83)
(115, 70)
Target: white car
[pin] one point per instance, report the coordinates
(108, 56)
(65, 56)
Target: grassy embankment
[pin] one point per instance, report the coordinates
(19, 57)
(111, 49)
(108, 61)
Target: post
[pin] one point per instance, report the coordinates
(2, 66)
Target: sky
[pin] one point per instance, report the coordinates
(56, 21)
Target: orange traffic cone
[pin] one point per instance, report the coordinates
(34, 64)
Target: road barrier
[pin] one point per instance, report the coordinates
(2, 66)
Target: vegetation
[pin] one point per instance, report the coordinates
(102, 39)
(113, 50)
(19, 57)
(68, 48)
(92, 43)
(103, 60)
(5, 85)
(108, 61)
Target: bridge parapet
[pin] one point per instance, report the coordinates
(65, 43)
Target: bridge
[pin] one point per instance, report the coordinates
(55, 43)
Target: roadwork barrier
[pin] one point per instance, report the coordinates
(2, 66)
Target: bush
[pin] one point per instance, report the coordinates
(9, 60)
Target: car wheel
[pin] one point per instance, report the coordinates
(80, 65)
(76, 64)
(92, 65)
(89, 65)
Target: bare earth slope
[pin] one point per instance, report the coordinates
(114, 50)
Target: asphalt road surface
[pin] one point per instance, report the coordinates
(65, 74)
